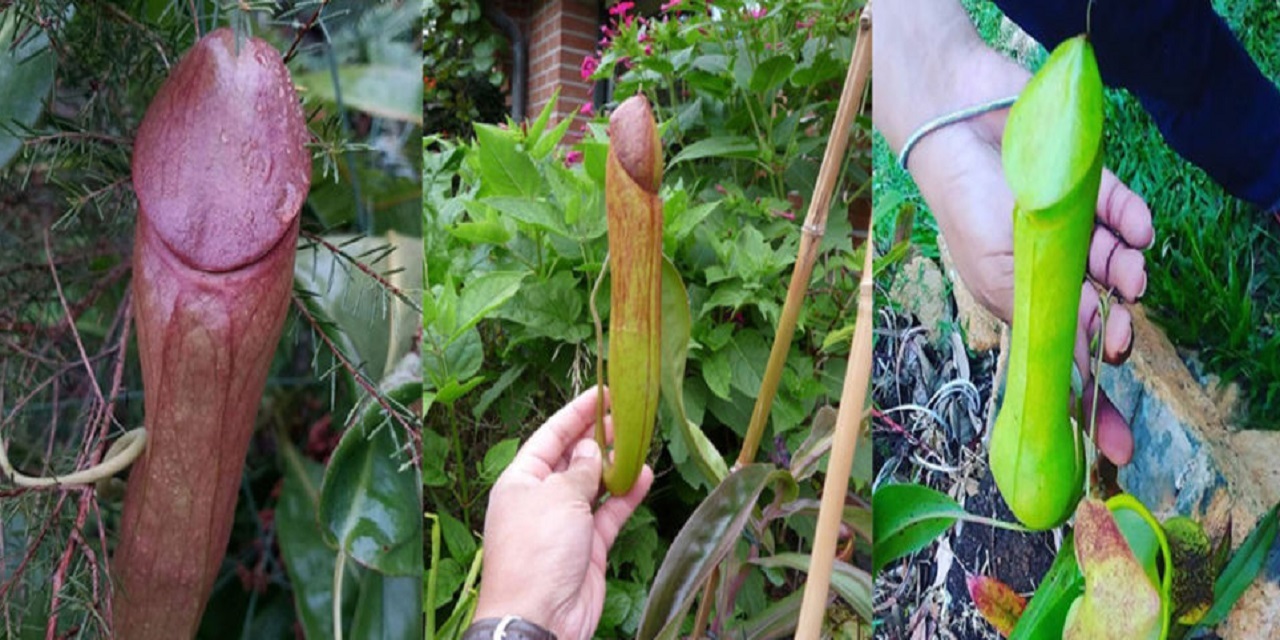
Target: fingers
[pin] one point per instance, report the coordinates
(1124, 212)
(1117, 265)
(1117, 334)
(614, 512)
(583, 473)
(552, 442)
(1112, 435)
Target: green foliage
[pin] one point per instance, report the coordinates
(743, 137)
(460, 67)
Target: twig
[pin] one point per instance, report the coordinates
(852, 400)
(811, 240)
(364, 268)
(303, 29)
(369, 387)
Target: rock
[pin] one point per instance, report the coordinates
(920, 290)
(981, 328)
(1187, 461)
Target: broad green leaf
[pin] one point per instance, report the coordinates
(390, 608)
(372, 326)
(707, 537)
(1046, 614)
(676, 323)
(505, 170)
(772, 73)
(371, 498)
(718, 147)
(457, 539)
(852, 584)
(484, 294)
(907, 518)
(307, 559)
(497, 458)
(27, 66)
(1243, 567)
(389, 92)
(538, 213)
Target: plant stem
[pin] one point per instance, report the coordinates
(853, 403)
(339, 562)
(814, 226)
(461, 470)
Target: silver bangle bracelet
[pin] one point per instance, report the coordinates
(950, 118)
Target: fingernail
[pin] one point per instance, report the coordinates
(586, 449)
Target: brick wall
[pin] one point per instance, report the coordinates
(561, 33)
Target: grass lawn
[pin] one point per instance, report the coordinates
(1214, 272)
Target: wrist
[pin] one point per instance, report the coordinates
(506, 628)
(526, 609)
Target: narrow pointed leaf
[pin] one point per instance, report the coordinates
(1243, 567)
(704, 540)
(1046, 614)
(676, 323)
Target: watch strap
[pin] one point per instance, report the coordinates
(506, 628)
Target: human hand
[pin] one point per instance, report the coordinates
(544, 545)
(959, 172)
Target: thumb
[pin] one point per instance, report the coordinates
(583, 474)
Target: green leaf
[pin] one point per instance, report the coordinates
(27, 69)
(497, 458)
(1046, 614)
(544, 117)
(771, 74)
(778, 620)
(804, 462)
(538, 213)
(458, 539)
(390, 608)
(1242, 568)
(549, 141)
(307, 559)
(370, 500)
(676, 323)
(718, 147)
(716, 373)
(485, 294)
(505, 170)
(907, 518)
(707, 537)
(850, 583)
(388, 92)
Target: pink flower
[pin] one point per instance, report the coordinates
(648, 49)
(587, 109)
(621, 8)
(669, 5)
(757, 12)
(785, 214)
(589, 66)
(805, 24)
(575, 157)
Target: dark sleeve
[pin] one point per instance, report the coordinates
(1181, 61)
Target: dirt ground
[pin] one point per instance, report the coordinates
(932, 400)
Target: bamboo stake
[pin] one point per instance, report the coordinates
(815, 224)
(853, 400)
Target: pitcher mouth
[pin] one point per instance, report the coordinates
(287, 239)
